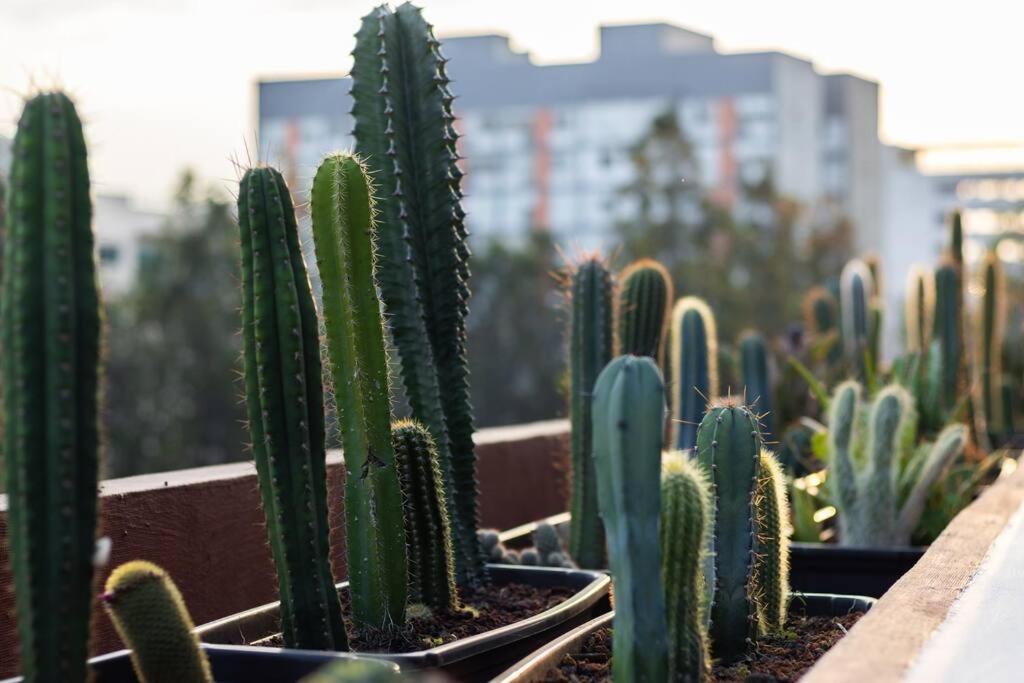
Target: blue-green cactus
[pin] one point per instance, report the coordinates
(919, 309)
(694, 363)
(856, 295)
(757, 383)
(643, 307)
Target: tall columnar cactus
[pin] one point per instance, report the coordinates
(821, 320)
(694, 362)
(993, 328)
(879, 479)
(428, 536)
(856, 293)
(919, 309)
(685, 525)
(949, 334)
(344, 234)
(643, 307)
(404, 128)
(729, 449)
(590, 349)
(152, 620)
(629, 419)
(757, 383)
(773, 539)
(285, 401)
(51, 352)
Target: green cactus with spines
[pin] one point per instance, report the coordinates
(729, 450)
(949, 334)
(428, 536)
(879, 478)
(590, 348)
(629, 414)
(757, 383)
(344, 233)
(993, 333)
(856, 293)
(152, 620)
(694, 363)
(356, 671)
(685, 524)
(919, 309)
(51, 340)
(643, 307)
(773, 539)
(956, 239)
(285, 399)
(404, 128)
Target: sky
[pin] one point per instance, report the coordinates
(165, 84)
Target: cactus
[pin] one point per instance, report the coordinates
(685, 523)
(643, 307)
(757, 383)
(428, 535)
(151, 618)
(879, 480)
(694, 351)
(919, 311)
(51, 341)
(773, 539)
(404, 129)
(856, 297)
(590, 349)
(949, 334)
(993, 327)
(821, 320)
(284, 397)
(729, 449)
(629, 420)
(344, 235)
(356, 671)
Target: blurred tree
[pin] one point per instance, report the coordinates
(173, 390)
(516, 333)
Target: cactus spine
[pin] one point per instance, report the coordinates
(590, 349)
(404, 128)
(694, 362)
(643, 307)
(685, 523)
(629, 410)
(757, 380)
(773, 539)
(428, 535)
(152, 620)
(729, 449)
(51, 342)
(919, 312)
(993, 323)
(344, 233)
(284, 398)
(856, 294)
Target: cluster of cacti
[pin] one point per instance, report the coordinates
(51, 352)
(590, 349)
(693, 350)
(152, 620)
(404, 130)
(547, 550)
(643, 307)
(757, 383)
(879, 476)
(284, 398)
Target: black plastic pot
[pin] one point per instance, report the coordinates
(813, 567)
(536, 666)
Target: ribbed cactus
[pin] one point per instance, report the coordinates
(357, 671)
(757, 382)
(344, 233)
(685, 524)
(919, 309)
(285, 401)
(729, 449)
(949, 334)
(590, 349)
(694, 363)
(51, 352)
(993, 330)
(856, 293)
(879, 480)
(152, 620)
(629, 420)
(643, 307)
(773, 540)
(428, 535)
(404, 129)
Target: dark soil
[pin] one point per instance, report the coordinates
(778, 658)
(484, 609)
